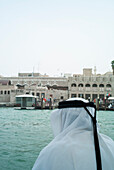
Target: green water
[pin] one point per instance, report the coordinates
(23, 133)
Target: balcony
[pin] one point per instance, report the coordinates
(88, 89)
(101, 89)
(80, 89)
(94, 89)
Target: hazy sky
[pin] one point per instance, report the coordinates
(56, 36)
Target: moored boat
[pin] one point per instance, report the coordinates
(111, 102)
(25, 101)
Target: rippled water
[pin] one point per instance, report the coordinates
(23, 133)
(106, 122)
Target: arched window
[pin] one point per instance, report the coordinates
(101, 85)
(73, 85)
(94, 85)
(108, 85)
(80, 85)
(87, 85)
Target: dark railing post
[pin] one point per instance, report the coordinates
(50, 104)
(98, 103)
(42, 103)
(105, 103)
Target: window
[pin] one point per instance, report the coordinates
(29, 75)
(5, 92)
(94, 85)
(87, 85)
(18, 99)
(38, 94)
(33, 93)
(62, 97)
(27, 92)
(87, 96)
(73, 85)
(80, 85)
(94, 96)
(101, 85)
(108, 85)
(9, 83)
(73, 95)
(8, 92)
(101, 96)
(29, 99)
(43, 95)
(80, 95)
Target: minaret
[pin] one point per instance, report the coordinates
(95, 70)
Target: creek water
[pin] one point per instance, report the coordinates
(24, 133)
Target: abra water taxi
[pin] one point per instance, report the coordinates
(25, 101)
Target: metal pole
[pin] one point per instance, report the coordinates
(42, 103)
(105, 103)
(50, 104)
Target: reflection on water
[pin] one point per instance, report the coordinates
(23, 133)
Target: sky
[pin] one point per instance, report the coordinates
(55, 37)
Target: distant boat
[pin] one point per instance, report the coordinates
(111, 102)
(25, 101)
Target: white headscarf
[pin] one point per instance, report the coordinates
(73, 145)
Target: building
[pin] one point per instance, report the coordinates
(91, 85)
(87, 85)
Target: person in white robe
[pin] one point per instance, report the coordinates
(73, 146)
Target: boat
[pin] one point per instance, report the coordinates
(111, 102)
(26, 101)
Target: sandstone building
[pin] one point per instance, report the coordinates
(87, 85)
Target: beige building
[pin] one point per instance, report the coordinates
(87, 85)
(91, 85)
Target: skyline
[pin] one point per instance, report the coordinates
(55, 37)
(59, 74)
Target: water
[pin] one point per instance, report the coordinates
(106, 122)
(23, 134)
